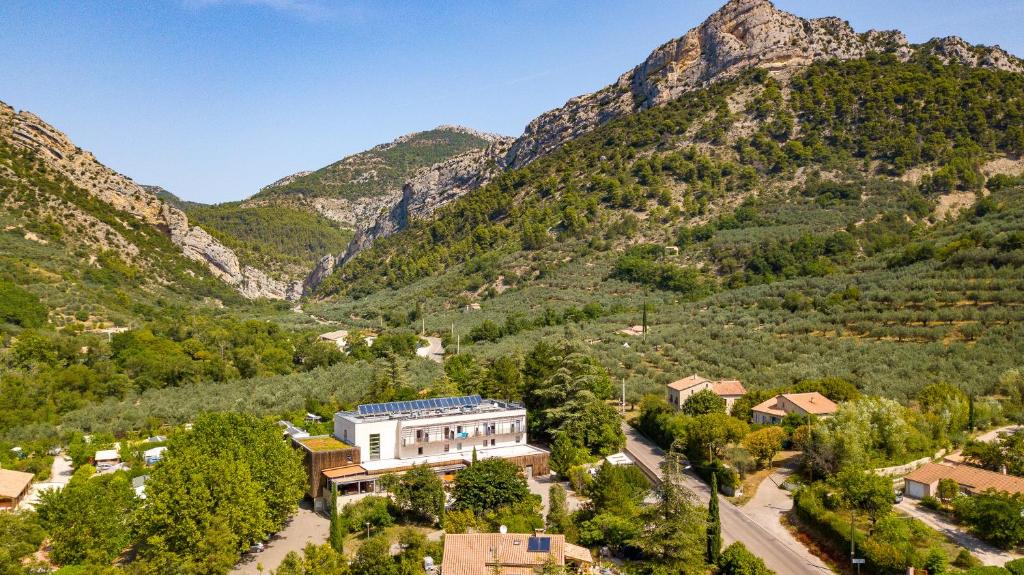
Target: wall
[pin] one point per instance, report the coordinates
(682, 396)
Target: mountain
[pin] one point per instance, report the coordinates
(172, 199)
(101, 216)
(743, 34)
(354, 189)
(787, 206)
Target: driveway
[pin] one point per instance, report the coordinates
(776, 546)
(60, 473)
(306, 527)
(988, 554)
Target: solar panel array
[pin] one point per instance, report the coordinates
(442, 403)
(539, 544)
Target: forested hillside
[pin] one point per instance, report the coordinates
(848, 220)
(381, 169)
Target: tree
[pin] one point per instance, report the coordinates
(91, 519)
(558, 520)
(339, 529)
(618, 489)
(21, 537)
(994, 516)
(420, 493)
(672, 532)
(232, 471)
(703, 402)
(865, 492)
(374, 558)
(948, 489)
(566, 454)
(737, 560)
(707, 435)
(489, 484)
(315, 560)
(714, 529)
(764, 443)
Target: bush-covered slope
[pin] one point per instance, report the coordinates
(381, 169)
(94, 266)
(278, 238)
(812, 221)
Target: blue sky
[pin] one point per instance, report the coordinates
(214, 98)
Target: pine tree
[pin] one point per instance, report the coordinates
(714, 524)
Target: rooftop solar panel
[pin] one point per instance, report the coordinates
(419, 404)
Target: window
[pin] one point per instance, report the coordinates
(458, 447)
(447, 447)
(374, 446)
(419, 451)
(492, 443)
(344, 435)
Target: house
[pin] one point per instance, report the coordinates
(442, 433)
(728, 389)
(773, 410)
(336, 337)
(13, 488)
(106, 459)
(320, 453)
(924, 481)
(151, 456)
(510, 553)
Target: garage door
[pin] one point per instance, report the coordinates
(915, 490)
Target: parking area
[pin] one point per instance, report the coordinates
(306, 527)
(542, 485)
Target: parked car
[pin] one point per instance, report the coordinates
(898, 498)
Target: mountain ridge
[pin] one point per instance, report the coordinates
(740, 35)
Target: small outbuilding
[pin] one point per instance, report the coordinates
(13, 488)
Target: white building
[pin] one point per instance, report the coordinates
(441, 433)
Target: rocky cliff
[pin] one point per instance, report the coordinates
(742, 34)
(28, 132)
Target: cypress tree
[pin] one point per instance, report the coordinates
(338, 531)
(714, 534)
(970, 412)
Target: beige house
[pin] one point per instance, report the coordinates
(13, 488)
(924, 481)
(681, 390)
(510, 553)
(773, 410)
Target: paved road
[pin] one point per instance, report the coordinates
(779, 549)
(306, 527)
(988, 554)
(433, 351)
(60, 474)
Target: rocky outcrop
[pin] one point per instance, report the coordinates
(321, 270)
(742, 34)
(432, 188)
(29, 132)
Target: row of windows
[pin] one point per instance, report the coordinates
(458, 447)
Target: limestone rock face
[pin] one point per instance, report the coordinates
(29, 132)
(324, 267)
(432, 188)
(742, 34)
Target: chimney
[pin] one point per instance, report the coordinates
(538, 532)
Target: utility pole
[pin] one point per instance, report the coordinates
(853, 540)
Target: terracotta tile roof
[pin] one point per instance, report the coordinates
(478, 553)
(728, 387)
(578, 554)
(13, 483)
(811, 402)
(688, 382)
(973, 478)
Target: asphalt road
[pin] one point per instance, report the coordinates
(782, 553)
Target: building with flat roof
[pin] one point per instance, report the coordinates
(924, 481)
(728, 389)
(772, 411)
(510, 553)
(13, 488)
(441, 433)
